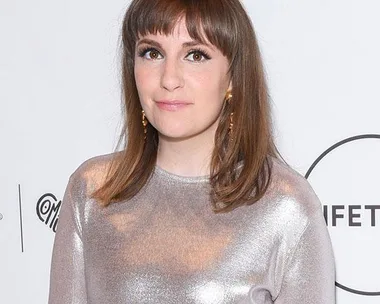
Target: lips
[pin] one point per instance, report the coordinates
(172, 105)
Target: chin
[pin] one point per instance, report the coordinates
(175, 136)
(174, 129)
(179, 132)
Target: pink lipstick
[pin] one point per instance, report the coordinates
(172, 105)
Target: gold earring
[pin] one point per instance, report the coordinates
(230, 127)
(228, 100)
(228, 96)
(144, 122)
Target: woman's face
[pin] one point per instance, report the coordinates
(181, 84)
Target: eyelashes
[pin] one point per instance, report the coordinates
(194, 51)
(201, 52)
(145, 50)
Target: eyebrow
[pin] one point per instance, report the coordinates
(185, 44)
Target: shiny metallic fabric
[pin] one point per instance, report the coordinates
(167, 246)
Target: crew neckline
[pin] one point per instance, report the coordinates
(180, 178)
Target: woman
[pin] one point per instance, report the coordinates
(197, 207)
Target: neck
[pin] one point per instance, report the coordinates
(188, 157)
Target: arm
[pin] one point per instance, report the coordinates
(67, 279)
(310, 271)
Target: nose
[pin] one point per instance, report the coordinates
(172, 75)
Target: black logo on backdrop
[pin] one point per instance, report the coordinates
(48, 210)
(348, 214)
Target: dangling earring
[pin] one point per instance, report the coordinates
(144, 122)
(230, 127)
(228, 96)
(228, 100)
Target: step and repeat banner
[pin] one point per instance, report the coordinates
(60, 99)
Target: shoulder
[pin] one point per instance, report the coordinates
(292, 194)
(92, 172)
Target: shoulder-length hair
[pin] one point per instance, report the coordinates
(240, 169)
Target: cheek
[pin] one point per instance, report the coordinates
(143, 82)
(140, 76)
(144, 71)
(209, 85)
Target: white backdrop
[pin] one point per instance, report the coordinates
(59, 105)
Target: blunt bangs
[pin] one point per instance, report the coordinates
(206, 22)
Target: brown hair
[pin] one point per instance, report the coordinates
(226, 25)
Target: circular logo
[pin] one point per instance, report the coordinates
(346, 179)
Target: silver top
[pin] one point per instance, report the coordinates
(167, 246)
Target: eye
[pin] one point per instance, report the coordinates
(198, 55)
(150, 53)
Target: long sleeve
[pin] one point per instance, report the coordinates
(67, 279)
(310, 272)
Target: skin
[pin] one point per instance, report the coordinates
(182, 91)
